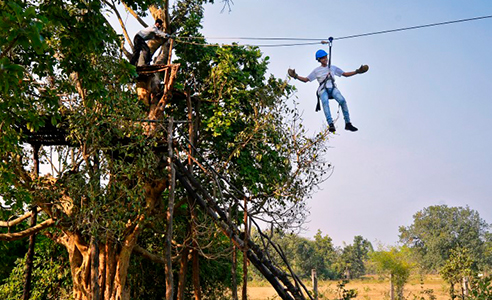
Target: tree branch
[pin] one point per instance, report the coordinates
(135, 15)
(152, 257)
(18, 220)
(27, 232)
(123, 27)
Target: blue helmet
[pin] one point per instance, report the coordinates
(321, 53)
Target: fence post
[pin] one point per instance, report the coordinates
(314, 278)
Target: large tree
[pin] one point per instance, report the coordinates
(107, 144)
(437, 230)
(304, 254)
(351, 259)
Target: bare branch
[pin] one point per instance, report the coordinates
(123, 26)
(18, 220)
(152, 257)
(135, 15)
(27, 232)
(126, 52)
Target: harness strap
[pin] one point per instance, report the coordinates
(330, 95)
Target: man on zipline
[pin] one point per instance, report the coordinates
(327, 88)
(140, 44)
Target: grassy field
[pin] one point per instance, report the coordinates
(370, 288)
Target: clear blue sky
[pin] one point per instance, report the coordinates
(423, 109)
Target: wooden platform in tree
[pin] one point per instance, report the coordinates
(50, 135)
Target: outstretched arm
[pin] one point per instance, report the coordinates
(292, 73)
(348, 74)
(303, 79)
(360, 70)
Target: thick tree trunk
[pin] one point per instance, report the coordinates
(154, 44)
(99, 267)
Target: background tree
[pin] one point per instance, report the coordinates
(397, 264)
(436, 230)
(351, 260)
(458, 270)
(304, 254)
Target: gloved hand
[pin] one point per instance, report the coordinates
(292, 73)
(362, 69)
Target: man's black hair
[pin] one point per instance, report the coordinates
(158, 21)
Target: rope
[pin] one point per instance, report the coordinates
(412, 27)
(183, 39)
(179, 40)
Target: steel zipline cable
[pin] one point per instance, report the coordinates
(311, 41)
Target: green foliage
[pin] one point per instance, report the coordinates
(395, 262)
(304, 254)
(437, 230)
(10, 253)
(50, 278)
(343, 293)
(245, 120)
(481, 288)
(459, 266)
(351, 261)
(145, 277)
(426, 294)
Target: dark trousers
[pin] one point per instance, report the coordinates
(140, 45)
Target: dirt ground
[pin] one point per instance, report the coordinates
(370, 288)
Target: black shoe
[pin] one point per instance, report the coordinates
(349, 126)
(331, 127)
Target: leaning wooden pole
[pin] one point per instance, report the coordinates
(32, 239)
(277, 278)
(170, 211)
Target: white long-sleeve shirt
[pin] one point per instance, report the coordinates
(150, 32)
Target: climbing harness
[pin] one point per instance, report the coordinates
(328, 77)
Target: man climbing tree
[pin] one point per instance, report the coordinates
(140, 44)
(327, 88)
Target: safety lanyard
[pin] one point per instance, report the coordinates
(329, 76)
